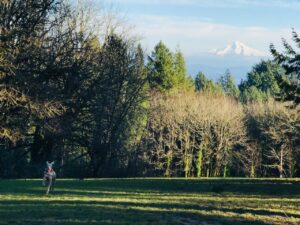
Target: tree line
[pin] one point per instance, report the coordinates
(92, 101)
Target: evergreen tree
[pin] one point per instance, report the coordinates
(290, 61)
(252, 94)
(181, 79)
(63, 96)
(179, 67)
(261, 82)
(201, 82)
(228, 85)
(117, 103)
(161, 69)
(167, 70)
(29, 76)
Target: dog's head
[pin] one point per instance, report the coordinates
(50, 165)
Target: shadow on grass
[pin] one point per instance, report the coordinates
(14, 204)
(108, 207)
(78, 212)
(274, 188)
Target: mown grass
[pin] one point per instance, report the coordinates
(152, 201)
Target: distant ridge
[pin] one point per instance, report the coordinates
(240, 49)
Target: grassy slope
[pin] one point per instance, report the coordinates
(151, 201)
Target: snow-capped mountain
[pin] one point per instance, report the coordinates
(238, 48)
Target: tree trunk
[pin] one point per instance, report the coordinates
(98, 159)
(42, 147)
(199, 162)
(281, 164)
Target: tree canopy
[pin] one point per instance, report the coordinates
(261, 82)
(290, 61)
(167, 70)
(89, 100)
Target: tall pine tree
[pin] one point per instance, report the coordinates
(228, 85)
(161, 69)
(290, 61)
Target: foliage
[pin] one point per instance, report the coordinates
(26, 76)
(228, 85)
(273, 127)
(117, 102)
(167, 70)
(290, 84)
(63, 95)
(186, 124)
(86, 98)
(160, 68)
(261, 82)
(202, 83)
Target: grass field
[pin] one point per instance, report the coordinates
(151, 201)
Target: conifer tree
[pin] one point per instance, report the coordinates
(261, 82)
(167, 70)
(161, 69)
(290, 61)
(228, 85)
(201, 82)
(181, 79)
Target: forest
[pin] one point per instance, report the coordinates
(83, 93)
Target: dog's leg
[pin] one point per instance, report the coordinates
(49, 186)
(44, 181)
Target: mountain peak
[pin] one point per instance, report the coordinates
(238, 48)
(237, 43)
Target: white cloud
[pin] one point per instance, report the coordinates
(218, 3)
(197, 37)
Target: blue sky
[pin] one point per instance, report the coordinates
(198, 26)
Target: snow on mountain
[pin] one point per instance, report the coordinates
(238, 48)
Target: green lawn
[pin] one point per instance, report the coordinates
(151, 201)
